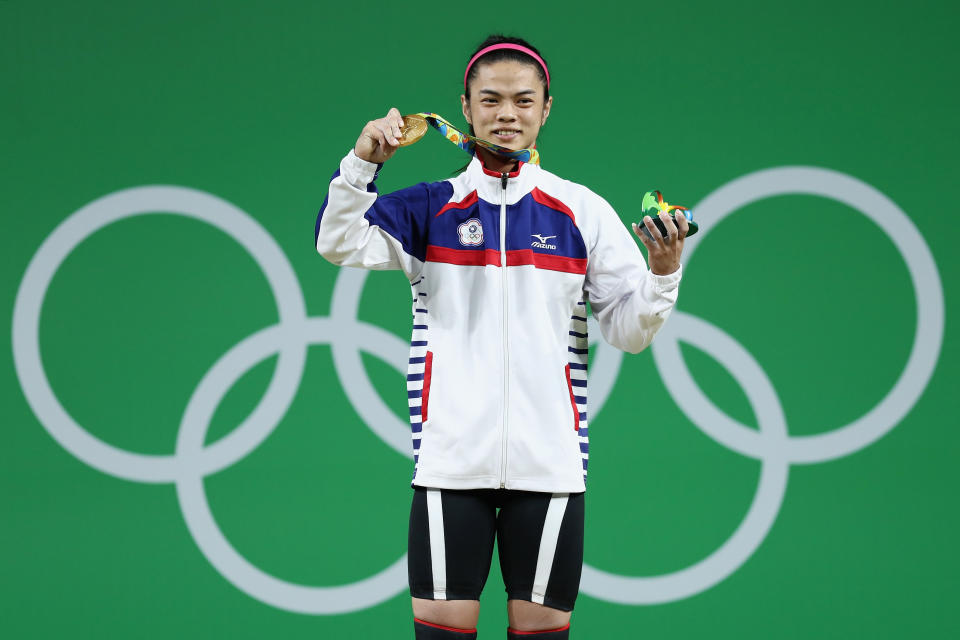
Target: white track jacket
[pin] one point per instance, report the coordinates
(500, 266)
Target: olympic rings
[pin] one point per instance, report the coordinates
(772, 444)
(348, 336)
(55, 249)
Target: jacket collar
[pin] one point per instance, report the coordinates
(477, 168)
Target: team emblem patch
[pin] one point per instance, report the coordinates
(471, 233)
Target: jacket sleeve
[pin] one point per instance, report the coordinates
(629, 301)
(357, 227)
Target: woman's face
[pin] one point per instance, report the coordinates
(506, 104)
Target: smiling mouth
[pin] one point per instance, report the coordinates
(505, 133)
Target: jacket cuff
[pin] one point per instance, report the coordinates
(667, 283)
(358, 172)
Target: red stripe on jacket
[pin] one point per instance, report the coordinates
(516, 258)
(425, 394)
(573, 402)
(552, 203)
(466, 203)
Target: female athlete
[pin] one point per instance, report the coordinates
(502, 260)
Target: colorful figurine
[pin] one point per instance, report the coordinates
(653, 205)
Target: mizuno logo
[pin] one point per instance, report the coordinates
(541, 242)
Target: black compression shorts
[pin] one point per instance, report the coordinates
(539, 538)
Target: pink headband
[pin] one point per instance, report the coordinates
(506, 45)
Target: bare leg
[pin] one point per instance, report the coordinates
(459, 614)
(530, 616)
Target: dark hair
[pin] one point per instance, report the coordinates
(505, 54)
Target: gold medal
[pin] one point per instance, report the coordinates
(414, 127)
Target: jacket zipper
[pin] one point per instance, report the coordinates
(506, 351)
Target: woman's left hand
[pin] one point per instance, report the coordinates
(663, 254)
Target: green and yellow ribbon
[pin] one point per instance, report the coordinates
(463, 140)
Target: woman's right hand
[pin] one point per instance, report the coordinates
(380, 139)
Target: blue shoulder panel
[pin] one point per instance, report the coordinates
(404, 214)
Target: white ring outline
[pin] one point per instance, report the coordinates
(928, 291)
(199, 518)
(766, 502)
(770, 444)
(55, 249)
(191, 463)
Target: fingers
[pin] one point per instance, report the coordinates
(392, 139)
(647, 242)
(377, 132)
(380, 138)
(650, 239)
(382, 131)
(391, 127)
(390, 131)
(682, 224)
(386, 131)
(657, 237)
(663, 252)
(395, 121)
(670, 226)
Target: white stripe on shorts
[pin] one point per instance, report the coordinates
(548, 545)
(438, 556)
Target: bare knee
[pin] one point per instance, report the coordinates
(530, 616)
(459, 614)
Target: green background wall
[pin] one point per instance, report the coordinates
(255, 103)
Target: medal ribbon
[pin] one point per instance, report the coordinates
(469, 143)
